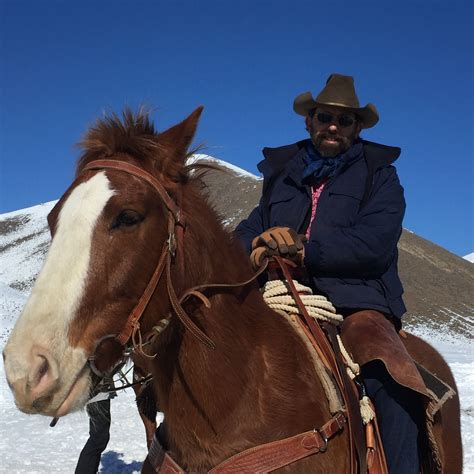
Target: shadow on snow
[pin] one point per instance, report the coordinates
(112, 462)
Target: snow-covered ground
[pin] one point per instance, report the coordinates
(459, 353)
(29, 445)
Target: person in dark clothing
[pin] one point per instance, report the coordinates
(342, 193)
(99, 433)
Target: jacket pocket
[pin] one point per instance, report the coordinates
(344, 205)
(289, 211)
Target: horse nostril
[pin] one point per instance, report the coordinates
(43, 369)
(38, 371)
(42, 374)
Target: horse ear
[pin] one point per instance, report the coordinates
(180, 136)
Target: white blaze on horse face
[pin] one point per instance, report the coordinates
(60, 285)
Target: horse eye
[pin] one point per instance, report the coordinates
(127, 218)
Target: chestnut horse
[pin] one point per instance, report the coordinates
(232, 376)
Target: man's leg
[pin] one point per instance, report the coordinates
(397, 412)
(99, 434)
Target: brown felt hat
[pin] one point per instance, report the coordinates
(338, 92)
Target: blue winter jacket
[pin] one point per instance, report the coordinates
(352, 251)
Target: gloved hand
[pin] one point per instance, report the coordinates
(281, 241)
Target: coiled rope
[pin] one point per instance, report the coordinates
(277, 295)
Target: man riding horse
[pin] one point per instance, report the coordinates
(334, 203)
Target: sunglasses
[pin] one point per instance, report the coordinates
(343, 120)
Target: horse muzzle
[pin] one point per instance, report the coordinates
(39, 382)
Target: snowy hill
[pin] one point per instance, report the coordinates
(469, 257)
(439, 298)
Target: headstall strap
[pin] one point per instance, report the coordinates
(134, 317)
(138, 172)
(173, 245)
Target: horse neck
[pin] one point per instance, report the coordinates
(258, 385)
(210, 256)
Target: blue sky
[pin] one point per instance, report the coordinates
(62, 63)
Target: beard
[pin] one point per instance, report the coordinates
(331, 150)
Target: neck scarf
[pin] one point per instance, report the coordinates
(319, 168)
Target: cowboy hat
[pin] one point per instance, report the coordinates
(338, 92)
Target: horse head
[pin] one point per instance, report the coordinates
(108, 230)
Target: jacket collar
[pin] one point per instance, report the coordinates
(295, 168)
(291, 158)
(379, 155)
(277, 158)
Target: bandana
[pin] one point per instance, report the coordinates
(318, 168)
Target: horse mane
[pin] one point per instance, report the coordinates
(133, 133)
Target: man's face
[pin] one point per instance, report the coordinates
(329, 131)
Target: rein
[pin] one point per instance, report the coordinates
(329, 351)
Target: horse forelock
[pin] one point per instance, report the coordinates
(133, 135)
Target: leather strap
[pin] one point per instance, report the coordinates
(312, 324)
(351, 397)
(169, 466)
(332, 355)
(271, 456)
(140, 173)
(376, 462)
(181, 313)
(263, 458)
(134, 317)
(161, 461)
(218, 286)
(194, 291)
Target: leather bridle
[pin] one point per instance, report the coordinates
(176, 226)
(172, 251)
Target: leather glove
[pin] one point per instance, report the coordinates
(281, 241)
(257, 257)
